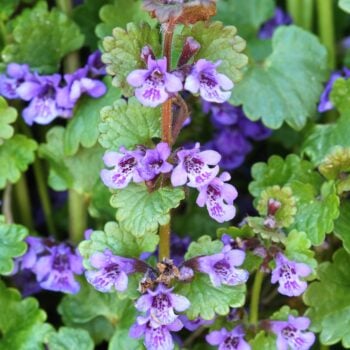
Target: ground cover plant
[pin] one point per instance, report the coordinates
(175, 174)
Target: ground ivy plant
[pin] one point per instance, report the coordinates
(175, 174)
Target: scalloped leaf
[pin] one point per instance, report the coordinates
(7, 116)
(82, 129)
(246, 15)
(15, 156)
(206, 300)
(322, 138)
(12, 244)
(119, 13)
(218, 42)
(342, 225)
(128, 124)
(317, 201)
(204, 246)
(294, 73)
(21, 322)
(90, 306)
(70, 338)
(141, 212)
(123, 51)
(329, 301)
(57, 34)
(79, 172)
(120, 242)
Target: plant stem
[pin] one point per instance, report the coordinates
(326, 28)
(254, 303)
(7, 204)
(164, 230)
(44, 196)
(293, 7)
(164, 241)
(23, 202)
(324, 347)
(307, 14)
(77, 208)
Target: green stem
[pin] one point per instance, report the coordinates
(255, 299)
(326, 28)
(324, 347)
(294, 10)
(3, 33)
(77, 207)
(307, 14)
(23, 202)
(7, 204)
(164, 241)
(44, 196)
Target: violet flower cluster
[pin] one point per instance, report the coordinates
(52, 96)
(280, 18)
(234, 133)
(154, 85)
(193, 168)
(53, 264)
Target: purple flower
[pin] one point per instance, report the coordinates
(95, 65)
(280, 18)
(161, 304)
(154, 85)
(211, 85)
(157, 337)
(218, 197)
(16, 74)
(193, 325)
(125, 164)
(154, 162)
(233, 147)
(111, 271)
(179, 246)
(78, 83)
(221, 267)
(287, 273)
(222, 114)
(254, 130)
(325, 103)
(290, 333)
(41, 91)
(226, 340)
(56, 270)
(194, 166)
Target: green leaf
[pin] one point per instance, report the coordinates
(218, 43)
(11, 244)
(7, 8)
(329, 301)
(247, 16)
(123, 51)
(21, 322)
(204, 246)
(298, 248)
(119, 14)
(316, 211)
(90, 306)
(294, 73)
(263, 341)
(87, 17)
(70, 338)
(206, 300)
(342, 225)
(323, 138)
(15, 156)
(128, 124)
(52, 36)
(141, 212)
(82, 129)
(317, 202)
(118, 241)
(7, 116)
(344, 5)
(122, 341)
(79, 172)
